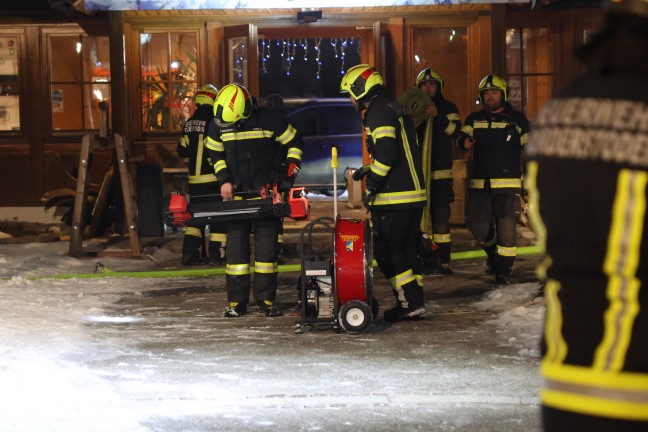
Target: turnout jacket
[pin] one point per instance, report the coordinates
(436, 136)
(192, 146)
(587, 173)
(498, 140)
(396, 172)
(254, 152)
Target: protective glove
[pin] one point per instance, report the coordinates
(286, 184)
(360, 173)
(368, 198)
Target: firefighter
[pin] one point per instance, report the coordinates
(202, 181)
(396, 193)
(587, 175)
(495, 134)
(252, 148)
(436, 135)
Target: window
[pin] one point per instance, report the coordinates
(79, 80)
(9, 83)
(169, 79)
(528, 63)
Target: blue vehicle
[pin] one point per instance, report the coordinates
(324, 124)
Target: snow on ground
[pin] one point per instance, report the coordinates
(147, 354)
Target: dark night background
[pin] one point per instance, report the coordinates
(302, 82)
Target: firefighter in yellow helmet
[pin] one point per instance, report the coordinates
(496, 134)
(202, 181)
(396, 191)
(587, 174)
(251, 148)
(435, 136)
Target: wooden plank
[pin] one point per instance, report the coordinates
(130, 206)
(80, 199)
(101, 201)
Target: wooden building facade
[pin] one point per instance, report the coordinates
(58, 71)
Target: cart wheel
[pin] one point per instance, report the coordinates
(375, 307)
(355, 316)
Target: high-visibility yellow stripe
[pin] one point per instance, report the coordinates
(219, 165)
(524, 138)
(441, 238)
(199, 179)
(599, 407)
(453, 117)
(288, 135)
(501, 183)
(212, 144)
(401, 197)
(441, 174)
(419, 280)
(403, 278)
(480, 125)
(199, 154)
(237, 269)
(506, 251)
(584, 390)
(244, 135)
(184, 141)
(556, 345)
(426, 152)
(451, 128)
(218, 237)
(265, 267)
(193, 231)
(499, 125)
(468, 130)
(295, 153)
(408, 155)
(620, 265)
(384, 132)
(537, 223)
(379, 168)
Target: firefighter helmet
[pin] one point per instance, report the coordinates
(360, 81)
(206, 95)
(627, 7)
(493, 82)
(233, 103)
(428, 74)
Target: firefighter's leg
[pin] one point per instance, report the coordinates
(395, 236)
(442, 196)
(237, 271)
(504, 209)
(280, 241)
(217, 242)
(192, 243)
(265, 265)
(480, 222)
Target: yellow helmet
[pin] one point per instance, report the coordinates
(428, 74)
(233, 103)
(360, 80)
(206, 95)
(493, 82)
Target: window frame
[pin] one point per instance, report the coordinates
(137, 83)
(46, 34)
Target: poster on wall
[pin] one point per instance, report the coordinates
(8, 55)
(57, 100)
(100, 5)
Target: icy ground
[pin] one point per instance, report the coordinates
(147, 354)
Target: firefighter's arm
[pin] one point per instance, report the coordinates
(451, 122)
(216, 154)
(183, 148)
(292, 146)
(384, 156)
(465, 140)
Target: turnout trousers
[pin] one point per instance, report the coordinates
(395, 234)
(239, 280)
(491, 219)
